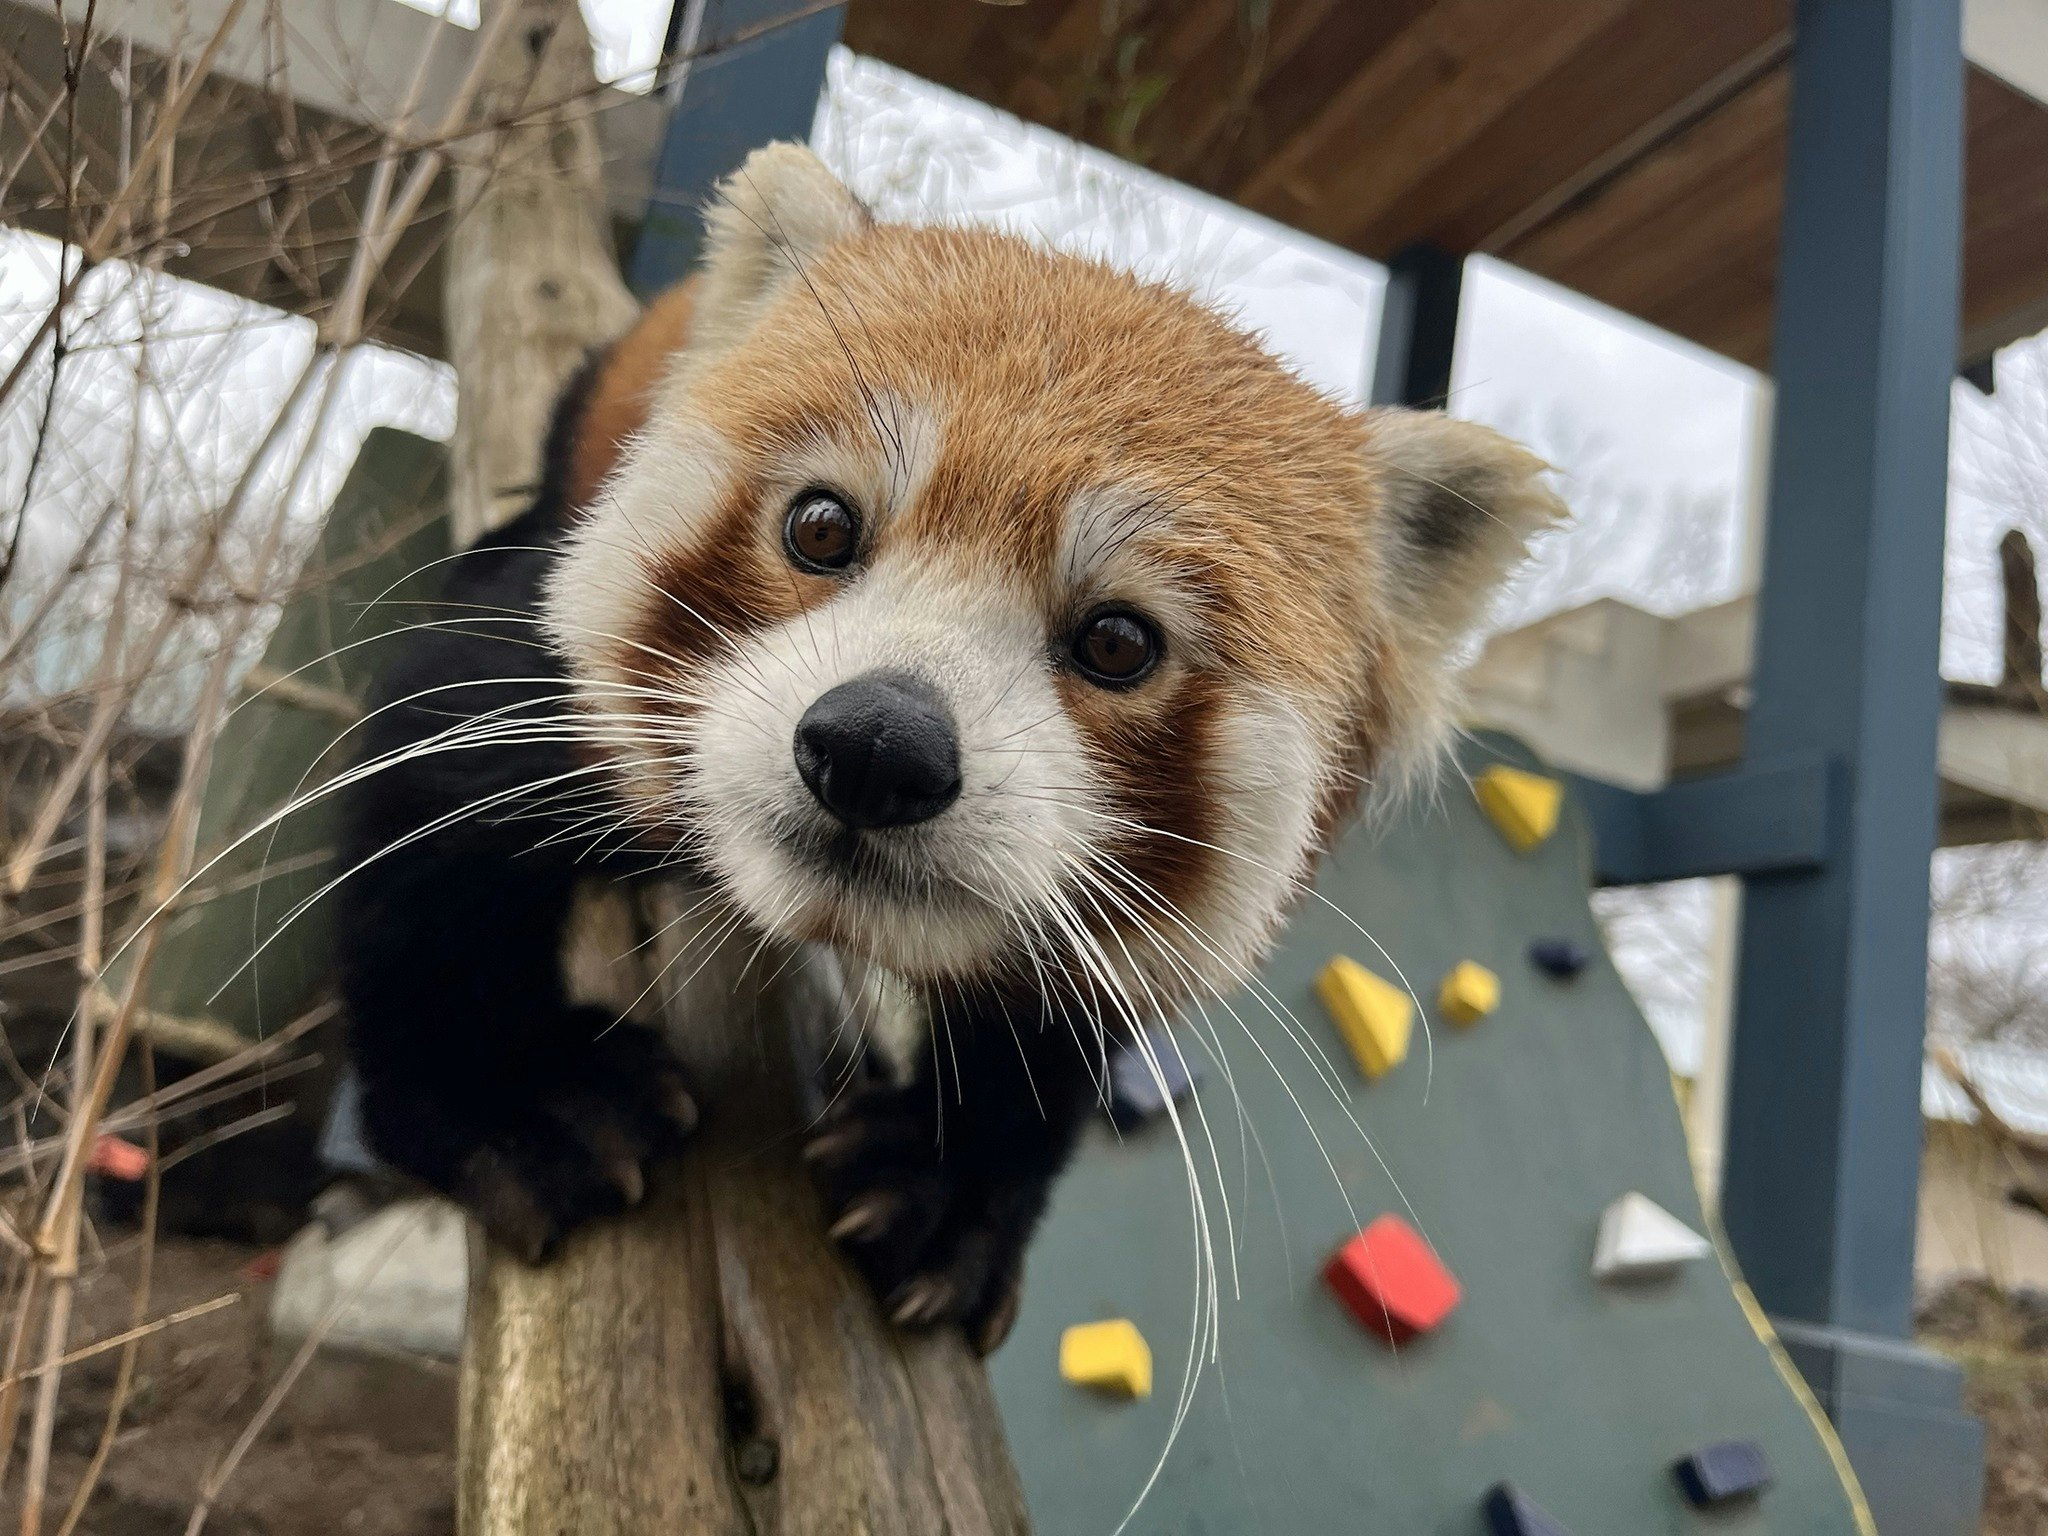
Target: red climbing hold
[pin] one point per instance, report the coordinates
(1392, 1281)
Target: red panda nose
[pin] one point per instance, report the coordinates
(880, 751)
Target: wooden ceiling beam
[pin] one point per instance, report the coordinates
(1669, 248)
(1629, 149)
(1415, 105)
(1083, 68)
(1595, 227)
(1584, 126)
(1210, 104)
(1312, 49)
(981, 50)
(1727, 307)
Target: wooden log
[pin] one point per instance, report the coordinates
(707, 1364)
(710, 1365)
(532, 279)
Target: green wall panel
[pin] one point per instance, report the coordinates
(1503, 1142)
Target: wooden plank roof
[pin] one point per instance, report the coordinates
(1632, 150)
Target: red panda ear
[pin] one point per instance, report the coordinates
(1458, 506)
(766, 223)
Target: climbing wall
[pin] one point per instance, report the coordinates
(367, 577)
(1459, 1369)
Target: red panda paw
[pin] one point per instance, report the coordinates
(582, 1149)
(936, 1229)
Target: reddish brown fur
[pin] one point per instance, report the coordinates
(1154, 763)
(726, 583)
(622, 390)
(1282, 518)
(1052, 376)
(1049, 377)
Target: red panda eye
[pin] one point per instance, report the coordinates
(1115, 648)
(822, 533)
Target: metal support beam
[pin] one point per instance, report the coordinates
(753, 72)
(1820, 1186)
(1418, 328)
(1825, 1143)
(1751, 821)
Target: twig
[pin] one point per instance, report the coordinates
(10, 1396)
(35, 456)
(284, 688)
(114, 701)
(47, 599)
(96, 245)
(355, 288)
(86, 1112)
(64, 1266)
(126, 1336)
(145, 1272)
(165, 128)
(149, 1114)
(144, 1111)
(228, 1132)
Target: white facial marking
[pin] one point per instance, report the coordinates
(667, 489)
(1264, 771)
(957, 891)
(882, 470)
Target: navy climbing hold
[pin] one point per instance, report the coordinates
(1559, 957)
(1721, 1473)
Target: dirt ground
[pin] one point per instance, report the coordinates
(2002, 1343)
(361, 1448)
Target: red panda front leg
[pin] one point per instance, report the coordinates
(933, 1187)
(480, 1076)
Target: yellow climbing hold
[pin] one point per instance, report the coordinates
(1523, 805)
(1469, 993)
(1373, 1015)
(1110, 1356)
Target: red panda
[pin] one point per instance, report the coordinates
(978, 614)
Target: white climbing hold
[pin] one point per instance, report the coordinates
(1639, 1240)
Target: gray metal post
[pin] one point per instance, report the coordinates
(1820, 1188)
(751, 72)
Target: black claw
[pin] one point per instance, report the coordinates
(631, 1182)
(677, 1103)
(988, 1334)
(833, 1146)
(867, 1217)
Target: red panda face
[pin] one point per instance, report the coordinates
(983, 610)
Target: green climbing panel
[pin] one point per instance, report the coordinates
(360, 583)
(1507, 1138)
